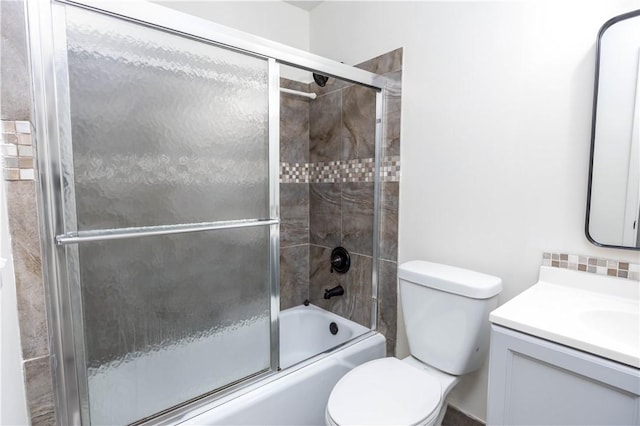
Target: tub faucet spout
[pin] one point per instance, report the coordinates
(331, 292)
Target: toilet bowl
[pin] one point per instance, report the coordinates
(446, 313)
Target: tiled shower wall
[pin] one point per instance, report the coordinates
(297, 238)
(294, 196)
(18, 171)
(327, 195)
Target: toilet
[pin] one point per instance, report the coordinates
(446, 314)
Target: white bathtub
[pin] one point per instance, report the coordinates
(297, 396)
(304, 332)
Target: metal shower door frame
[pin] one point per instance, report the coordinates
(58, 228)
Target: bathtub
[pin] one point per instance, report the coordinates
(305, 332)
(297, 395)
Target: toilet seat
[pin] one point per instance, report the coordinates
(385, 391)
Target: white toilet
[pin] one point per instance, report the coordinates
(446, 315)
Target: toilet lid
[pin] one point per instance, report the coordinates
(384, 392)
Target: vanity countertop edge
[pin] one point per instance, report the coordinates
(593, 313)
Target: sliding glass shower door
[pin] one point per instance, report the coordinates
(169, 213)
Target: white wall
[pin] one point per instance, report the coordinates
(273, 20)
(496, 113)
(13, 406)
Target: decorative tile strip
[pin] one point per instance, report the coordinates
(325, 172)
(594, 265)
(357, 170)
(294, 173)
(16, 151)
(390, 169)
(360, 170)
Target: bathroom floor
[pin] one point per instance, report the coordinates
(453, 417)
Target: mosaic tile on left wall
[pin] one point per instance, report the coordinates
(17, 151)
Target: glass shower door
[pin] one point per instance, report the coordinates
(169, 216)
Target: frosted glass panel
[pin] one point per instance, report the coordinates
(169, 318)
(165, 129)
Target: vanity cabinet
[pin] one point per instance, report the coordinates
(533, 381)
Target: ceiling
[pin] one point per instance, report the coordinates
(306, 5)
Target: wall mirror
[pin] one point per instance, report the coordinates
(613, 204)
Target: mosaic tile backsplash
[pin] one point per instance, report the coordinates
(17, 151)
(594, 265)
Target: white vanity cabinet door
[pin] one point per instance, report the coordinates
(536, 382)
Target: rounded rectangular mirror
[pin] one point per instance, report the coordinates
(613, 204)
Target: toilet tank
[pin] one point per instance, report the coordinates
(446, 314)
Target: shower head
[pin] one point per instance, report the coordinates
(320, 79)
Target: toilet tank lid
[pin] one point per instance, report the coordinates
(451, 279)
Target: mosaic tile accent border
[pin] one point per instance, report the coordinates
(16, 151)
(361, 170)
(390, 169)
(594, 265)
(294, 173)
(330, 171)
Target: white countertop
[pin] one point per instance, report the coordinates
(590, 312)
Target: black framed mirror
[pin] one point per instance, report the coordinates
(613, 201)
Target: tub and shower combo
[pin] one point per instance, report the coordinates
(159, 168)
(295, 396)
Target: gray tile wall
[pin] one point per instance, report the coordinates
(15, 88)
(341, 211)
(355, 304)
(294, 198)
(327, 191)
(15, 111)
(389, 65)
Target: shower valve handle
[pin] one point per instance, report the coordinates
(340, 260)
